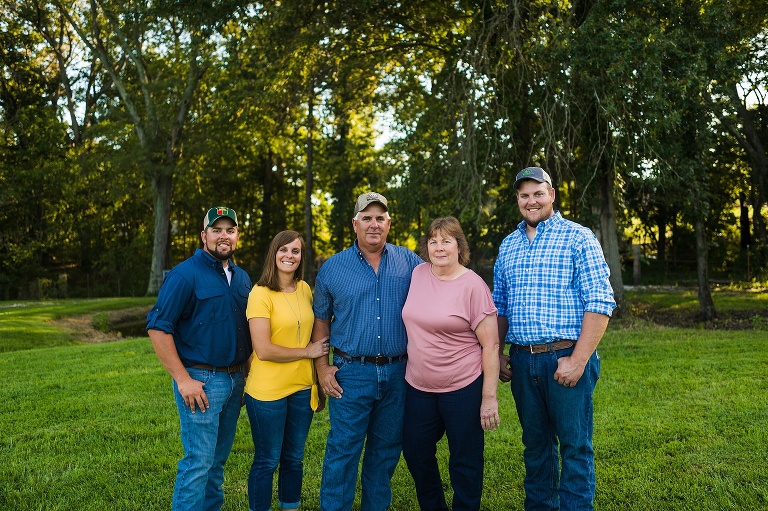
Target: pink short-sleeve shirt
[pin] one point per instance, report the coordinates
(440, 318)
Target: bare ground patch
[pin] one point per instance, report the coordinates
(113, 325)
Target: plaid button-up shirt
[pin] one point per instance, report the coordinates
(544, 286)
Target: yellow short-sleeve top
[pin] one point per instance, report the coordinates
(290, 320)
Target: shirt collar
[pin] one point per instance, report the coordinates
(543, 225)
(360, 252)
(213, 261)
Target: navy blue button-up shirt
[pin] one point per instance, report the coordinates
(365, 307)
(204, 313)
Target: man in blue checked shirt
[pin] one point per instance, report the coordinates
(358, 304)
(551, 287)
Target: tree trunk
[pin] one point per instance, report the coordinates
(702, 259)
(309, 257)
(161, 196)
(609, 234)
(661, 241)
(744, 227)
(749, 139)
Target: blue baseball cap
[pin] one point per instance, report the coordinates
(533, 173)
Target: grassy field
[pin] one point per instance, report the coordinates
(681, 422)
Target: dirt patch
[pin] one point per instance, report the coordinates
(82, 327)
(106, 326)
(756, 319)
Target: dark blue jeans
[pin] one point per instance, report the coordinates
(429, 415)
(279, 430)
(370, 413)
(557, 430)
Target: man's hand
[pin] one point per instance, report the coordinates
(505, 373)
(194, 395)
(326, 376)
(569, 371)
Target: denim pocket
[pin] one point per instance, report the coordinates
(201, 375)
(340, 362)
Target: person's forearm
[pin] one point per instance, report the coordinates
(488, 336)
(490, 364)
(321, 332)
(503, 327)
(593, 327)
(165, 349)
(273, 353)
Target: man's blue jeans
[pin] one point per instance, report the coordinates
(279, 429)
(369, 412)
(555, 417)
(429, 415)
(207, 440)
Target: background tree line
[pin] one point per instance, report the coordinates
(123, 121)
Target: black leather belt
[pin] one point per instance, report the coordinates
(378, 360)
(545, 348)
(229, 370)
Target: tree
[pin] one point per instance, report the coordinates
(155, 56)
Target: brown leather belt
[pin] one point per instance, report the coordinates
(229, 370)
(378, 360)
(545, 348)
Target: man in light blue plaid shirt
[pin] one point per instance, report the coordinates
(551, 287)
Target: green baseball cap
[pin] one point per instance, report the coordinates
(216, 213)
(534, 173)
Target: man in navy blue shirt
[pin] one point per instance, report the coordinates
(358, 304)
(200, 334)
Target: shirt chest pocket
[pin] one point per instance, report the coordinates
(211, 306)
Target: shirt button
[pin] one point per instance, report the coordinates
(378, 317)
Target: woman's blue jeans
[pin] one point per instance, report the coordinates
(207, 439)
(557, 424)
(429, 415)
(279, 430)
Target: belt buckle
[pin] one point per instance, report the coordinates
(380, 360)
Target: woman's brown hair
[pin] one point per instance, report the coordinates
(447, 226)
(269, 275)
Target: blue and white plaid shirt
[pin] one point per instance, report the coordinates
(544, 287)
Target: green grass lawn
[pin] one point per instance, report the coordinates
(681, 423)
(27, 325)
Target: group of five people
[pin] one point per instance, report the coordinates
(415, 355)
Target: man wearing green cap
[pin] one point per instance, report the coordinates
(200, 334)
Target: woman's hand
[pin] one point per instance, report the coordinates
(489, 414)
(317, 349)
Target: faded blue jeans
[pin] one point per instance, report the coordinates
(279, 429)
(369, 412)
(557, 426)
(207, 440)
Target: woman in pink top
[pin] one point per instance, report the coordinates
(453, 342)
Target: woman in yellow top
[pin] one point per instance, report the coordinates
(281, 390)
